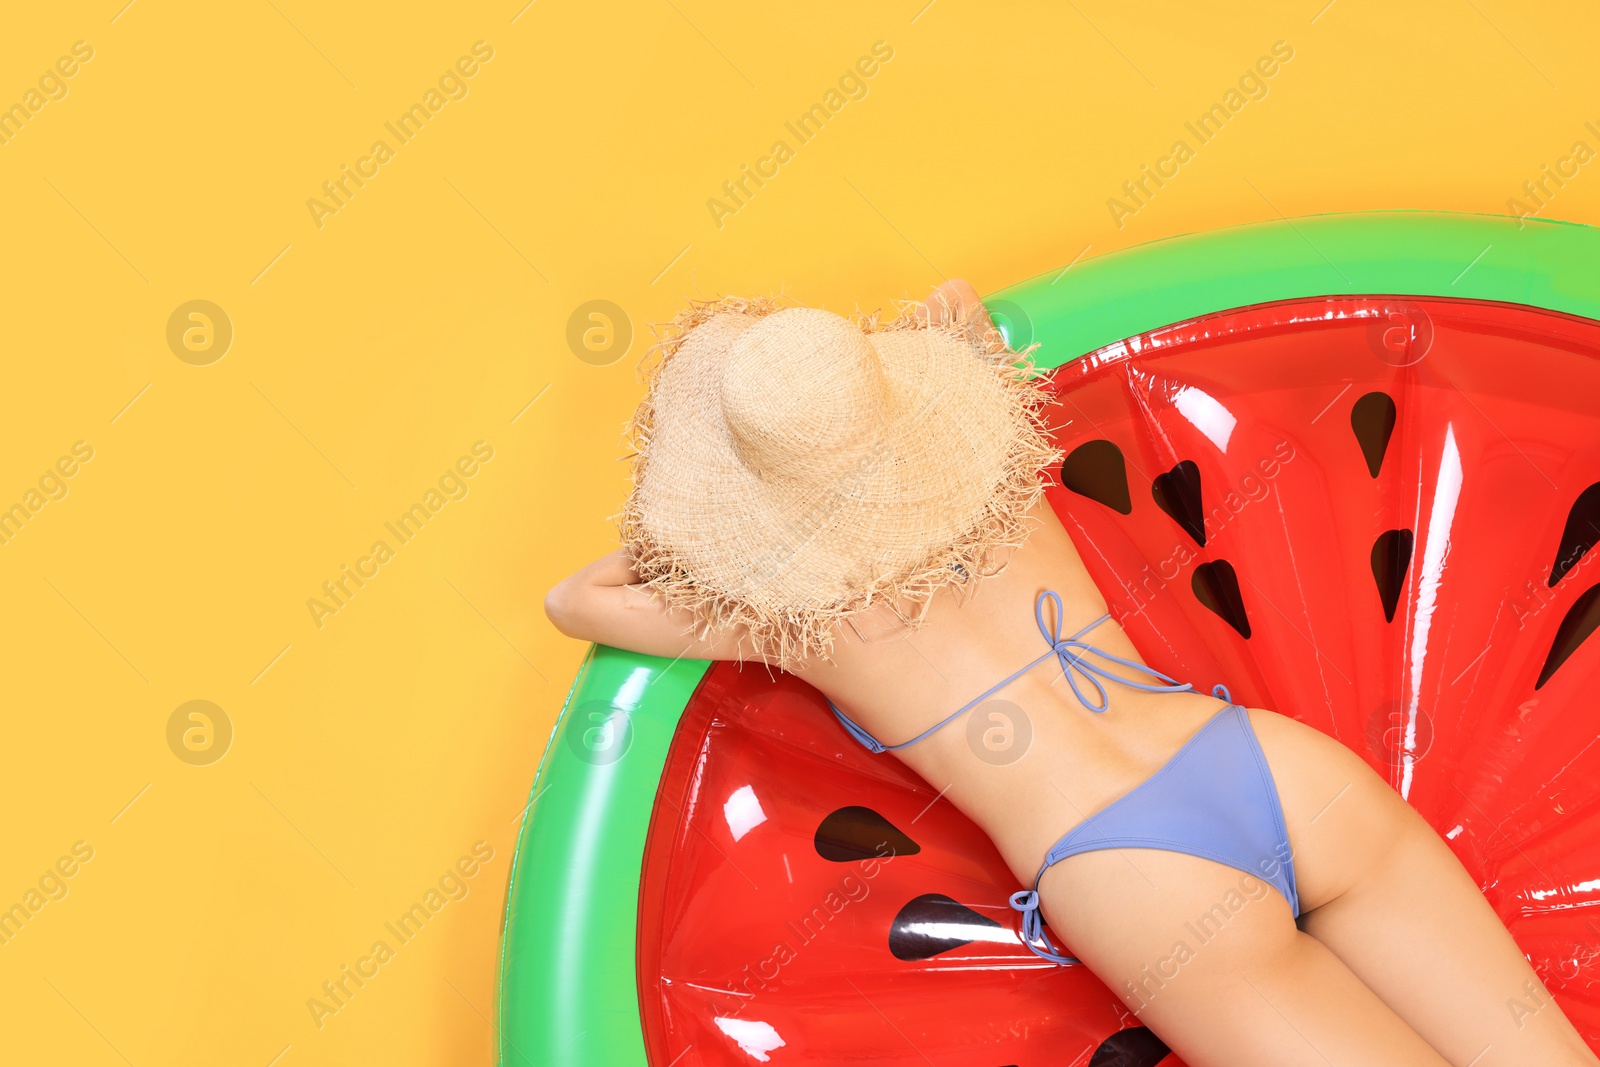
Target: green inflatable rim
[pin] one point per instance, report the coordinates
(568, 988)
(568, 994)
(1390, 253)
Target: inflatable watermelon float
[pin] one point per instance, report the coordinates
(1349, 465)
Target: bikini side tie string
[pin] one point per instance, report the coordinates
(1027, 902)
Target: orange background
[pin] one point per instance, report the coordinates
(373, 747)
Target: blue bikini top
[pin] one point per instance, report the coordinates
(1069, 650)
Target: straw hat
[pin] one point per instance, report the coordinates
(793, 467)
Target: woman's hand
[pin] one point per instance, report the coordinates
(956, 301)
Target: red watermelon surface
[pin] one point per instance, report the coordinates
(1375, 515)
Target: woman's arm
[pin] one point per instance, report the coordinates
(605, 603)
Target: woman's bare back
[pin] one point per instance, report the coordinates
(1032, 747)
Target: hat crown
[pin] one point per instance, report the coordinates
(803, 394)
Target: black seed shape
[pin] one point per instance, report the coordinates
(1581, 534)
(1217, 587)
(1372, 418)
(1391, 556)
(1580, 622)
(926, 927)
(1096, 470)
(1136, 1046)
(857, 833)
(1177, 492)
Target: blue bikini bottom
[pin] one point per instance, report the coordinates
(1215, 798)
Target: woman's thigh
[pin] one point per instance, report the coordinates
(1210, 959)
(1418, 931)
(1384, 892)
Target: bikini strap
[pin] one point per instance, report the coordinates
(1068, 650)
(855, 730)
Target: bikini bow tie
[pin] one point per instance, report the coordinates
(1070, 652)
(1027, 902)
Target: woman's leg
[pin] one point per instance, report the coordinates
(1386, 895)
(1209, 958)
(1417, 930)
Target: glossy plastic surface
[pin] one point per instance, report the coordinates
(1374, 514)
(1103, 299)
(567, 991)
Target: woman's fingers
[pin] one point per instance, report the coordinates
(944, 304)
(957, 301)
